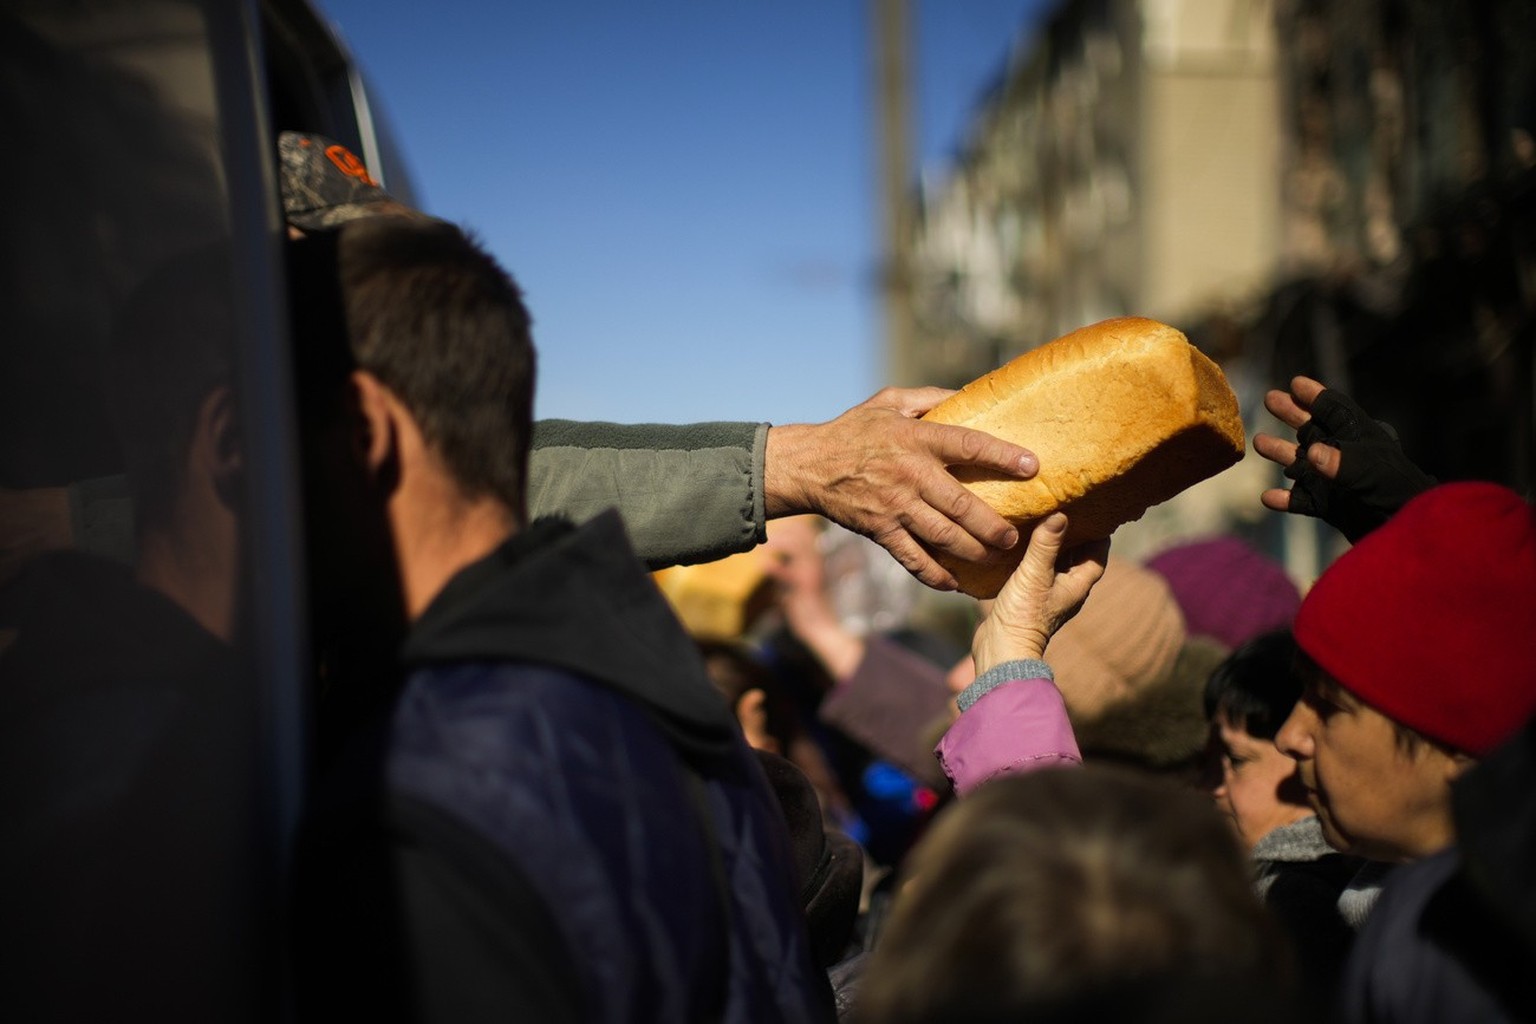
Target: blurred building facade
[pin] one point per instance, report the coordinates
(1342, 188)
(1409, 206)
(1127, 160)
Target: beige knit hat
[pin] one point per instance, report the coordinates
(1125, 639)
(1163, 728)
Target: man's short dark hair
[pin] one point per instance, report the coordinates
(1256, 687)
(439, 322)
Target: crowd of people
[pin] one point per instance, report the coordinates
(1163, 790)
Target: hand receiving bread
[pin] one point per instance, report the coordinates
(1039, 597)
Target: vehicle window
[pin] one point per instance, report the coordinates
(136, 876)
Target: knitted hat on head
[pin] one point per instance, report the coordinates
(1162, 727)
(1431, 618)
(1126, 638)
(1227, 589)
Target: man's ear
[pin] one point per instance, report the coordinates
(216, 443)
(752, 715)
(376, 435)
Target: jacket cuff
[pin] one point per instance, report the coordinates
(759, 471)
(997, 675)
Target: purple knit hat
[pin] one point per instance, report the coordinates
(1227, 589)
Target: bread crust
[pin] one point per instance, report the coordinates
(1123, 414)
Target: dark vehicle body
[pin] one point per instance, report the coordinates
(150, 779)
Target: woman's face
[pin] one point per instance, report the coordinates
(1375, 796)
(1259, 789)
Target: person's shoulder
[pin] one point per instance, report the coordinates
(489, 688)
(516, 720)
(528, 722)
(1409, 889)
(1421, 954)
(1391, 934)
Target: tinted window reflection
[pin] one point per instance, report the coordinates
(126, 753)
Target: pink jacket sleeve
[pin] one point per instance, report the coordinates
(1015, 726)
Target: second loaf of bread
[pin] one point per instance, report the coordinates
(1123, 414)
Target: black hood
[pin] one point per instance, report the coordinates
(577, 598)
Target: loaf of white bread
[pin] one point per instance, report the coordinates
(1123, 414)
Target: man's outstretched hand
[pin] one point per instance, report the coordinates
(879, 470)
(1044, 592)
(1349, 469)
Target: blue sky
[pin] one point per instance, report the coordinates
(685, 189)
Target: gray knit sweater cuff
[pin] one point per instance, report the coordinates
(997, 675)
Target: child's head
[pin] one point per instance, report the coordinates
(749, 688)
(1246, 699)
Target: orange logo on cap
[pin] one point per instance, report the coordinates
(347, 163)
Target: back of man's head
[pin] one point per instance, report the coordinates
(171, 349)
(438, 321)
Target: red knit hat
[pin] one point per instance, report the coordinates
(1431, 619)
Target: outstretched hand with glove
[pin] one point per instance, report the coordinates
(1349, 469)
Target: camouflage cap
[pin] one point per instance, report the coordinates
(324, 183)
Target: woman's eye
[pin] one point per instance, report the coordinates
(1320, 705)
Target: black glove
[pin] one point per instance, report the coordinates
(1375, 478)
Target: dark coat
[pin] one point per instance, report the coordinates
(1300, 878)
(125, 790)
(572, 827)
(1433, 951)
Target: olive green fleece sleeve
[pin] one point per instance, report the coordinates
(688, 493)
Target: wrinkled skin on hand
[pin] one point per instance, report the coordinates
(1044, 592)
(881, 471)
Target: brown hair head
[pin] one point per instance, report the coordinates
(1044, 890)
(439, 322)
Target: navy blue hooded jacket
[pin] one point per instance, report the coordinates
(568, 825)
